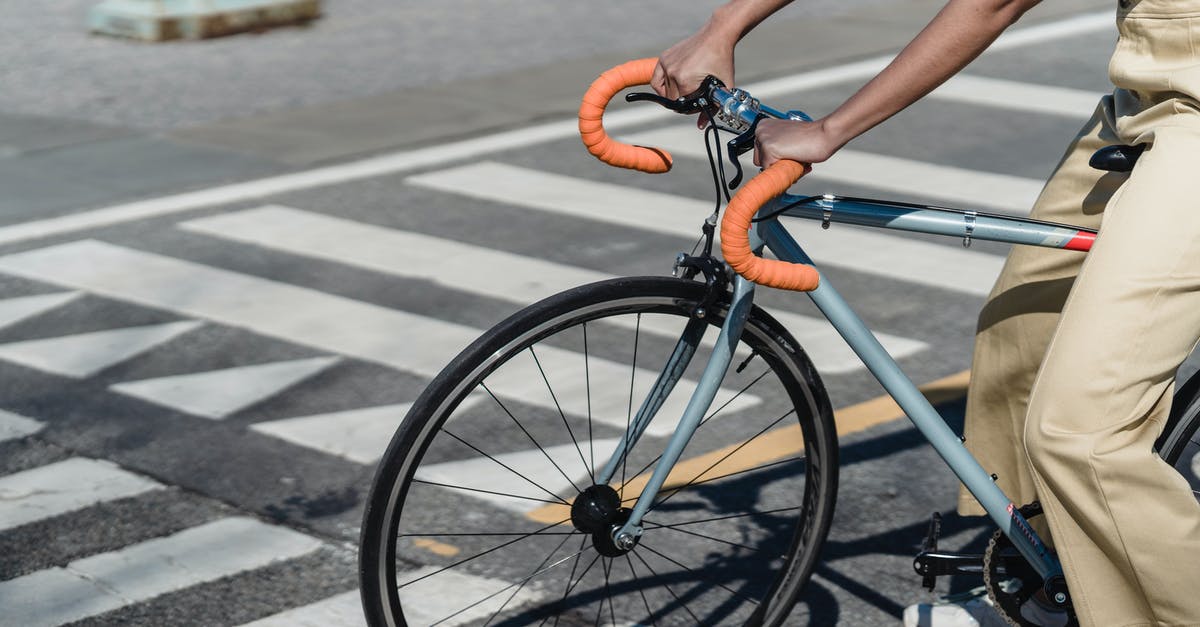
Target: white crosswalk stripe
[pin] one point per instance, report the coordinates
(83, 355)
(219, 393)
(425, 602)
(968, 189)
(14, 426)
(1025, 97)
(907, 260)
(14, 310)
(63, 487)
(343, 610)
(496, 274)
(359, 435)
(341, 325)
(524, 480)
(108, 581)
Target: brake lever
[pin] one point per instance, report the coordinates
(694, 102)
(740, 145)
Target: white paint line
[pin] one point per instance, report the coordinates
(496, 274)
(492, 273)
(867, 68)
(359, 435)
(342, 610)
(14, 310)
(14, 426)
(968, 189)
(85, 354)
(1059, 29)
(483, 473)
(520, 138)
(336, 324)
(909, 260)
(424, 602)
(218, 393)
(65, 486)
(105, 582)
(1025, 97)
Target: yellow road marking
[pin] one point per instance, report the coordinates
(437, 548)
(773, 445)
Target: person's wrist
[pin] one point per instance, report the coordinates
(834, 133)
(726, 26)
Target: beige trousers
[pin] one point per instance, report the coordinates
(1076, 354)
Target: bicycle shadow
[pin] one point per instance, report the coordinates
(818, 604)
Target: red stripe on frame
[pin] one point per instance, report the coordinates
(1083, 240)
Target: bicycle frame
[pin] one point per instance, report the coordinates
(891, 215)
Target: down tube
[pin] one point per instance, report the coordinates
(917, 407)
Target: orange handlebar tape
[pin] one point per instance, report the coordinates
(591, 126)
(735, 227)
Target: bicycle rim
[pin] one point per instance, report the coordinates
(470, 519)
(1181, 447)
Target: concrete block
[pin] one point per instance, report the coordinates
(161, 20)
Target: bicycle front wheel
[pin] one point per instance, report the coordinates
(470, 517)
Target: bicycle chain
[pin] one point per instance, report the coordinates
(992, 586)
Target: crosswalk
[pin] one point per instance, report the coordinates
(338, 331)
(338, 328)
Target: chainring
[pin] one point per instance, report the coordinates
(1019, 580)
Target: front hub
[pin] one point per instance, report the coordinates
(597, 511)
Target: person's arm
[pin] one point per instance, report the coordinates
(959, 33)
(683, 66)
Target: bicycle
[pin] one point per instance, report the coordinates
(585, 386)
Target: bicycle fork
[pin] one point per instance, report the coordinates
(625, 537)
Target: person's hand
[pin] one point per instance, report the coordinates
(682, 67)
(806, 142)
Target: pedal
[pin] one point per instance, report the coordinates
(928, 580)
(932, 564)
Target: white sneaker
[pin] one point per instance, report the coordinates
(969, 609)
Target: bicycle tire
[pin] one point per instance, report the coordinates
(739, 512)
(1179, 445)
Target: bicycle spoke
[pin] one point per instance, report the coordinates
(738, 472)
(587, 381)
(605, 565)
(502, 590)
(700, 575)
(528, 435)
(566, 588)
(562, 415)
(637, 333)
(577, 582)
(668, 488)
(723, 458)
(482, 491)
(705, 421)
(638, 582)
(708, 537)
(668, 588)
(481, 533)
(731, 516)
(480, 554)
(522, 586)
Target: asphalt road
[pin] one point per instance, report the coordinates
(198, 379)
